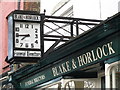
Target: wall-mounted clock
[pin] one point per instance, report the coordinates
(24, 36)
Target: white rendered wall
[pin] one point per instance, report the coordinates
(95, 9)
(86, 9)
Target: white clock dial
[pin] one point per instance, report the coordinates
(27, 35)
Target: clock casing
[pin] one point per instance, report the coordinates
(24, 36)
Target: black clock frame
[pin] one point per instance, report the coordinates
(11, 38)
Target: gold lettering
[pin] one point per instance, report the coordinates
(111, 50)
(67, 65)
(63, 67)
(94, 58)
(84, 59)
(35, 80)
(79, 60)
(60, 69)
(89, 57)
(103, 49)
(74, 64)
(99, 53)
(54, 70)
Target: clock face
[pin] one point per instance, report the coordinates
(27, 35)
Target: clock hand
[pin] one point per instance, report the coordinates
(27, 35)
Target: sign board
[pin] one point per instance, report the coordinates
(26, 17)
(22, 53)
(90, 55)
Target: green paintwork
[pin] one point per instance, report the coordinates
(48, 74)
(66, 56)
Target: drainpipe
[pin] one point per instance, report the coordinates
(19, 4)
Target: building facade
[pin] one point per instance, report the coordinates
(5, 9)
(101, 9)
(90, 60)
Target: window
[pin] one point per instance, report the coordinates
(115, 76)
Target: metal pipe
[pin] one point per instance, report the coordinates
(3, 78)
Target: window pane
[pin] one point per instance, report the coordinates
(118, 76)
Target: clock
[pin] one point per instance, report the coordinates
(27, 35)
(24, 36)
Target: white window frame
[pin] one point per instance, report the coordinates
(110, 69)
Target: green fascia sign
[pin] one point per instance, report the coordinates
(87, 56)
(99, 44)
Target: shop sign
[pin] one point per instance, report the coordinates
(27, 17)
(72, 63)
(24, 53)
(84, 59)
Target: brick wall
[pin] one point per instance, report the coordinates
(32, 6)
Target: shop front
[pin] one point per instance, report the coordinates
(91, 60)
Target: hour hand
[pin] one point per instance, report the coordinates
(24, 36)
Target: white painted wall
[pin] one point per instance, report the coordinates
(64, 8)
(48, 5)
(86, 8)
(94, 9)
(111, 7)
(98, 9)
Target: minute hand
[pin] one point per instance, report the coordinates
(24, 35)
